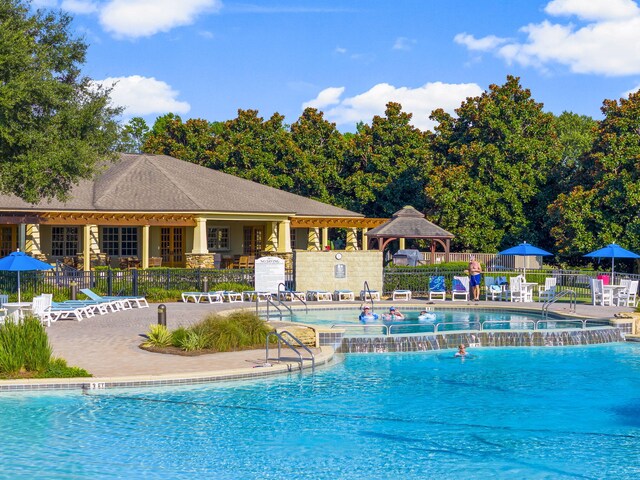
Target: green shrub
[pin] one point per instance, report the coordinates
(193, 341)
(159, 295)
(178, 335)
(58, 369)
(231, 287)
(24, 347)
(158, 336)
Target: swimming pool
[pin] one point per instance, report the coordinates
(445, 320)
(571, 412)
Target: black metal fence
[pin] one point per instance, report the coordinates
(125, 282)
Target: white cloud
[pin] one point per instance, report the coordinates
(340, 50)
(605, 43)
(403, 43)
(629, 92)
(143, 95)
(328, 96)
(419, 101)
(79, 6)
(44, 3)
(593, 9)
(483, 44)
(143, 18)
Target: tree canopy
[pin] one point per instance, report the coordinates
(55, 124)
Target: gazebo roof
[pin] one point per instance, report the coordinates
(408, 223)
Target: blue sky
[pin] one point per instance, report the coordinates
(208, 58)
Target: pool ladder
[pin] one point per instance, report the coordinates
(282, 308)
(280, 336)
(573, 300)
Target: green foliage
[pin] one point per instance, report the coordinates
(158, 336)
(58, 368)
(239, 330)
(133, 135)
(231, 287)
(24, 347)
(56, 125)
(160, 295)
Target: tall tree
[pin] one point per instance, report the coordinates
(491, 161)
(192, 140)
(385, 164)
(133, 136)
(604, 207)
(55, 124)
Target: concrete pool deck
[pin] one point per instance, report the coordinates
(107, 346)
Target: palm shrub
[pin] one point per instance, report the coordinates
(158, 336)
(231, 287)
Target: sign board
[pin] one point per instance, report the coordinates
(340, 270)
(269, 274)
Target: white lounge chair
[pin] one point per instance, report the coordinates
(516, 292)
(600, 296)
(627, 297)
(493, 291)
(401, 295)
(343, 295)
(437, 287)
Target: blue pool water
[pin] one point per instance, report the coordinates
(571, 412)
(447, 319)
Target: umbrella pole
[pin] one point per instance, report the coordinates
(612, 279)
(19, 300)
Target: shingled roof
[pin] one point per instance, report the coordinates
(408, 223)
(159, 183)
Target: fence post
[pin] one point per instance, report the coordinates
(109, 282)
(199, 280)
(134, 282)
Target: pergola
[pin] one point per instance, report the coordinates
(410, 223)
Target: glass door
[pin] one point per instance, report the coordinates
(172, 246)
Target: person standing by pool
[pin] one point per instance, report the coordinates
(475, 277)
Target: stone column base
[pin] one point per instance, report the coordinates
(200, 260)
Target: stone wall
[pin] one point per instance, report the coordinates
(317, 270)
(200, 260)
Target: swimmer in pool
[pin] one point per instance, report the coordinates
(367, 315)
(394, 314)
(426, 316)
(461, 351)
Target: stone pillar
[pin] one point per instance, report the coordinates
(200, 236)
(86, 247)
(401, 242)
(32, 243)
(284, 236)
(325, 237)
(365, 240)
(352, 240)
(313, 240)
(145, 246)
(94, 239)
(272, 237)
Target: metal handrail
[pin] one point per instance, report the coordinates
(582, 322)
(281, 339)
(362, 325)
(491, 322)
(293, 295)
(276, 306)
(444, 324)
(366, 289)
(573, 300)
(391, 327)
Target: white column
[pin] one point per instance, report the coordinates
(94, 240)
(284, 236)
(272, 237)
(33, 239)
(325, 237)
(145, 246)
(22, 237)
(352, 240)
(365, 245)
(313, 240)
(86, 247)
(200, 236)
(401, 242)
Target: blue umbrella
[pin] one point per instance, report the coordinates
(21, 262)
(526, 250)
(612, 251)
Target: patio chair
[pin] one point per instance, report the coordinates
(627, 297)
(460, 288)
(548, 290)
(3, 299)
(188, 296)
(516, 292)
(343, 295)
(401, 295)
(125, 302)
(600, 296)
(437, 287)
(41, 308)
(65, 310)
(493, 291)
(367, 295)
(319, 295)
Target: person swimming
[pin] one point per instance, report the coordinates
(393, 314)
(367, 315)
(426, 316)
(461, 351)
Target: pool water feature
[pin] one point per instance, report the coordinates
(534, 413)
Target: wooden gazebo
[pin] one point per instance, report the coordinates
(410, 223)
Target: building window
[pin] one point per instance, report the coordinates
(120, 241)
(64, 241)
(294, 238)
(217, 238)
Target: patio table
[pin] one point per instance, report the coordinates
(15, 310)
